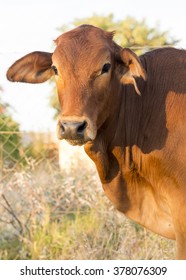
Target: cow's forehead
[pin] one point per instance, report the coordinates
(85, 33)
(83, 45)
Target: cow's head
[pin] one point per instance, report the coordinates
(86, 63)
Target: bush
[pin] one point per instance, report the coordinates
(46, 214)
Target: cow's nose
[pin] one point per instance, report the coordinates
(73, 130)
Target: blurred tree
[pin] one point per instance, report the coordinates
(10, 140)
(129, 32)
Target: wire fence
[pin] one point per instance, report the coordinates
(18, 147)
(32, 160)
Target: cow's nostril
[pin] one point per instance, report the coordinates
(71, 129)
(62, 128)
(82, 127)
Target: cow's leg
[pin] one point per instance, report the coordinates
(180, 231)
(181, 246)
(177, 202)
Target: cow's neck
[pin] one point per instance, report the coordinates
(115, 139)
(126, 161)
(127, 135)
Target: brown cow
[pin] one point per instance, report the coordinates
(137, 141)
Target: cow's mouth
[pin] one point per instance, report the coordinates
(76, 142)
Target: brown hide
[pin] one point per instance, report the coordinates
(137, 141)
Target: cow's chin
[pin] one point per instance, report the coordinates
(76, 142)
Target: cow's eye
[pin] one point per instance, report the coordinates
(106, 68)
(54, 68)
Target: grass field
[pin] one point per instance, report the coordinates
(46, 213)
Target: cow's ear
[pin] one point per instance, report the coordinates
(131, 68)
(34, 67)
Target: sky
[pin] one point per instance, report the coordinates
(30, 25)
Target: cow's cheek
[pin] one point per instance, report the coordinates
(60, 90)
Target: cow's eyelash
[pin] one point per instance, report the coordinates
(105, 69)
(54, 68)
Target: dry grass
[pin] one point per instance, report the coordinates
(49, 214)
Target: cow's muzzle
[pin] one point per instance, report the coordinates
(76, 131)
